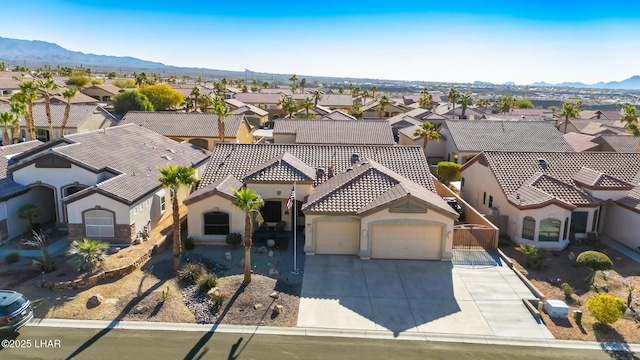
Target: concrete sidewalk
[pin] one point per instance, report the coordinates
(633, 255)
(366, 334)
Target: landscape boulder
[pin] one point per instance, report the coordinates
(277, 309)
(273, 272)
(274, 295)
(257, 306)
(213, 292)
(95, 301)
(140, 309)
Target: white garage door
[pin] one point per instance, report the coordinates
(423, 242)
(337, 237)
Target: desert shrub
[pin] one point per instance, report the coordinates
(192, 272)
(165, 294)
(606, 308)
(234, 239)
(217, 300)
(534, 257)
(206, 282)
(12, 258)
(89, 254)
(595, 261)
(567, 289)
(188, 244)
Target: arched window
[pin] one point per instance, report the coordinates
(528, 228)
(201, 143)
(566, 228)
(549, 230)
(216, 223)
(99, 223)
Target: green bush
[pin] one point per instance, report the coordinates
(568, 290)
(206, 282)
(192, 272)
(534, 257)
(188, 244)
(606, 308)
(89, 254)
(217, 300)
(12, 258)
(448, 171)
(234, 239)
(595, 261)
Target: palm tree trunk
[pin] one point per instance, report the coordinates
(31, 126)
(424, 145)
(67, 109)
(7, 140)
(247, 249)
(16, 133)
(47, 106)
(177, 243)
(566, 120)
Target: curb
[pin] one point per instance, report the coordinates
(324, 332)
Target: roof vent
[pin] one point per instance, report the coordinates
(355, 158)
(330, 171)
(542, 162)
(171, 150)
(319, 172)
(167, 157)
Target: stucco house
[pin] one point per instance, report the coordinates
(343, 102)
(371, 201)
(617, 143)
(255, 116)
(103, 93)
(101, 184)
(548, 199)
(370, 110)
(266, 102)
(293, 131)
(200, 129)
(81, 118)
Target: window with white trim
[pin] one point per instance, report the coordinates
(99, 223)
(163, 203)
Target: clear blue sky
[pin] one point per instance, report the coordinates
(459, 41)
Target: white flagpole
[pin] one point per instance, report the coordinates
(295, 230)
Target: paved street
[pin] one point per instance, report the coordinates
(156, 344)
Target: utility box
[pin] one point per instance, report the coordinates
(557, 309)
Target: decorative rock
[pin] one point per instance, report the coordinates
(277, 309)
(213, 292)
(273, 272)
(140, 309)
(95, 300)
(274, 295)
(262, 250)
(227, 255)
(270, 252)
(241, 263)
(257, 306)
(36, 264)
(571, 256)
(271, 243)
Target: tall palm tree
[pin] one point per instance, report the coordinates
(174, 178)
(68, 94)
(317, 96)
(187, 103)
(374, 89)
(382, 105)
(568, 111)
(483, 103)
(195, 92)
(307, 104)
(303, 82)
(365, 95)
(18, 109)
(630, 116)
(465, 101)
(356, 111)
(341, 90)
(288, 105)
(427, 132)
(250, 203)
(265, 85)
(425, 101)
(505, 103)
(206, 100)
(293, 80)
(29, 92)
(452, 96)
(7, 121)
(46, 87)
(222, 111)
(356, 91)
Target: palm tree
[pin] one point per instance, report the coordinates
(206, 100)
(505, 103)
(250, 203)
(7, 120)
(265, 85)
(174, 178)
(484, 103)
(382, 105)
(341, 90)
(317, 96)
(425, 101)
(373, 91)
(630, 116)
(288, 105)
(221, 110)
(29, 93)
(187, 103)
(427, 132)
(68, 94)
(356, 91)
(365, 95)
(293, 80)
(303, 82)
(195, 92)
(48, 86)
(568, 111)
(356, 111)
(465, 101)
(18, 108)
(307, 103)
(452, 96)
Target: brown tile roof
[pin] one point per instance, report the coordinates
(330, 100)
(338, 115)
(620, 143)
(372, 132)
(632, 200)
(239, 159)
(257, 98)
(193, 124)
(133, 153)
(506, 136)
(580, 142)
(224, 187)
(7, 186)
(559, 175)
(284, 167)
(114, 90)
(539, 112)
(241, 108)
(77, 114)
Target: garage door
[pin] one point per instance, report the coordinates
(337, 237)
(423, 242)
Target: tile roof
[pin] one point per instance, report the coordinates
(78, 99)
(112, 89)
(621, 143)
(513, 117)
(224, 186)
(7, 186)
(193, 124)
(238, 105)
(329, 100)
(632, 200)
(258, 98)
(580, 142)
(410, 120)
(239, 159)
(77, 114)
(560, 175)
(506, 136)
(368, 186)
(338, 115)
(139, 154)
(373, 132)
(284, 167)
(539, 112)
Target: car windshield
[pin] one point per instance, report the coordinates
(13, 307)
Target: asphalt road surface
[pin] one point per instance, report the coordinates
(72, 343)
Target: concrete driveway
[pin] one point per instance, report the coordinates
(344, 292)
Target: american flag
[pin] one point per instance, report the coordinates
(292, 197)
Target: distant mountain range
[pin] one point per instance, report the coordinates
(630, 83)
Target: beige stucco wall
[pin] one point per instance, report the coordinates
(619, 225)
(95, 121)
(279, 138)
(75, 209)
(9, 210)
(195, 219)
